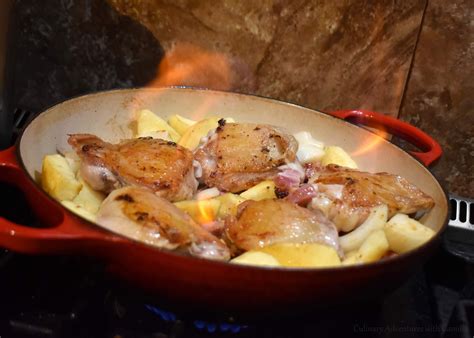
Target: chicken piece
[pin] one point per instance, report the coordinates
(139, 214)
(346, 196)
(239, 155)
(162, 166)
(266, 222)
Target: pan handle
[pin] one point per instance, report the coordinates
(431, 149)
(63, 232)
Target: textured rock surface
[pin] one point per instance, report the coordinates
(322, 54)
(440, 93)
(63, 48)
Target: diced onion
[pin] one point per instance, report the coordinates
(294, 166)
(309, 149)
(304, 137)
(207, 194)
(197, 169)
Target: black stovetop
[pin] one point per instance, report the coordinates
(66, 296)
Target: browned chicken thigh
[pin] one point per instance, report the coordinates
(267, 222)
(139, 214)
(240, 155)
(162, 166)
(346, 195)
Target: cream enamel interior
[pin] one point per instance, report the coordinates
(109, 115)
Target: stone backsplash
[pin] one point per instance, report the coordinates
(411, 59)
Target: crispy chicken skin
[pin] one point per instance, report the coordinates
(267, 222)
(346, 195)
(240, 155)
(162, 166)
(138, 213)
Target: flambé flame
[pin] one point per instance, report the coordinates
(372, 142)
(189, 65)
(206, 213)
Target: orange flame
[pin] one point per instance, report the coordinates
(372, 142)
(206, 212)
(189, 65)
(192, 66)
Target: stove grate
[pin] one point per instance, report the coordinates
(462, 212)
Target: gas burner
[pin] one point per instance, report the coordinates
(208, 326)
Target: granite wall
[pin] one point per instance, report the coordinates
(439, 97)
(411, 57)
(322, 54)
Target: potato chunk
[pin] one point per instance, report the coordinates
(256, 258)
(58, 179)
(180, 123)
(196, 132)
(405, 234)
(303, 255)
(73, 160)
(203, 212)
(337, 155)
(149, 124)
(79, 210)
(88, 198)
(372, 249)
(229, 204)
(263, 191)
(376, 221)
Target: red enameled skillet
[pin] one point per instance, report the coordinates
(213, 285)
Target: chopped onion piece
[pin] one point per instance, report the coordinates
(197, 169)
(304, 137)
(294, 166)
(309, 149)
(287, 179)
(207, 194)
(309, 153)
(303, 195)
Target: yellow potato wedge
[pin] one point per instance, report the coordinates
(405, 233)
(351, 254)
(196, 132)
(161, 134)
(374, 247)
(180, 123)
(79, 210)
(352, 258)
(376, 221)
(256, 258)
(207, 194)
(203, 212)
(58, 179)
(73, 160)
(337, 155)
(303, 255)
(148, 124)
(88, 198)
(229, 204)
(263, 191)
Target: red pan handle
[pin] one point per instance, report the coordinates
(64, 232)
(431, 149)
